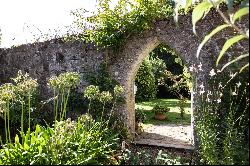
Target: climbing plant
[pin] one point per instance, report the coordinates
(110, 26)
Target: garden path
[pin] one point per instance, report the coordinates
(166, 135)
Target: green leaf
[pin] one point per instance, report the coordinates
(199, 11)
(188, 4)
(228, 44)
(241, 12)
(235, 60)
(207, 37)
(16, 139)
(244, 67)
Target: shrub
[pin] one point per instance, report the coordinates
(145, 82)
(140, 115)
(18, 101)
(160, 109)
(69, 142)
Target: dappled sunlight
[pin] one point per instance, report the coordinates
(148, 105)
(166, 135)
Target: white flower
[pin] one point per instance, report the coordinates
(238, 84)
(199, 66)
(212, 73)
(232, 75)
(191, 68)
(201, 86)
(221, 94)
(234, 93)
(220, 85)
(209, 92)
(208, 99)
(219, 100)
(202, 91)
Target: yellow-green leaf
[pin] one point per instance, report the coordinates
(207, 37)
(199, 11)
(241, 12)
(188, 4)
(16, 139)
(235, 60)
(244, 67)
(228, 44)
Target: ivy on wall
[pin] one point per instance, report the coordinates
(109, 27)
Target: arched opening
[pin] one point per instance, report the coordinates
(127, 61)
(162, 89)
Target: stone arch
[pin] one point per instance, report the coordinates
(179, 37)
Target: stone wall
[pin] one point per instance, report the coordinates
(45, 59)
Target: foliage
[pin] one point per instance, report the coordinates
(167, 159)
(17, 100)
(170, 74)
(161, 109)
(182, 103)
(158, 69)
(69, 142)
(110, 26)
(219, 136)
(140, 115)
(222, 122)
(145, 157)
(145, 82)
(106, 113)
(230, 21)
(84, 141)
(139, 158)
(102, 78)
(103, 81)
(173, 115)
(62, 86)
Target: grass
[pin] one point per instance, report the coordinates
(173, 116)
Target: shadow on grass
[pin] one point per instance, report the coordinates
(172, 118)
(164, 102)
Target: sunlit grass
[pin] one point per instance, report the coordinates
(173, 116)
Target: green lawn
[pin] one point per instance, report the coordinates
(173, 116)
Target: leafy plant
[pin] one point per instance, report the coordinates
(161, 109)
(110, 27)
(145, 82)
(7, 94)
(140, 115)
(234, 15)
(69, 142)
(136, 158)
(182, 103)
(61, 86)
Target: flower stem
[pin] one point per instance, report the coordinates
(29, 107)
(89, 105)
(8, 108)
(5, 125)
(56, 107)
(65, 104)
(22, 121)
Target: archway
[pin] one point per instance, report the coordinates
(181, 38)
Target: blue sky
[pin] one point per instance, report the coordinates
(22, 21)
